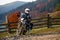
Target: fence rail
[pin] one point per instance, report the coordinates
(40, 21)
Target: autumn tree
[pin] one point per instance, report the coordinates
(13, 17)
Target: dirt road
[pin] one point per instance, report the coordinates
(34, 37)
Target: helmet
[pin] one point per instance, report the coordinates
(27, 9)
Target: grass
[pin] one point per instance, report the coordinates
(5, 34)
(37, 30)
(44, 30)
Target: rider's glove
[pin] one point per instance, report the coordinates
(22, 19)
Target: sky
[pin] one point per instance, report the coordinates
(2, 2)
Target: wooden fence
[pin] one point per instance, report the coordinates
(37, 22)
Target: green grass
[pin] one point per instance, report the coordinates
(6, 34)
(44, 30)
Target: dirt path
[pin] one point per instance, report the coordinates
(34, 37)
(44, 37)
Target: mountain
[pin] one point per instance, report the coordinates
(40, 6)
(7, 8)
(10, 6)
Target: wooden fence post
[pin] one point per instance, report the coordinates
(8, 24)
(49, 21)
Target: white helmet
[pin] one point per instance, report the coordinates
(27, 9)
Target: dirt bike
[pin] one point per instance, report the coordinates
(21, 29)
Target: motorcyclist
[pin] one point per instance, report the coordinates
(26, 19)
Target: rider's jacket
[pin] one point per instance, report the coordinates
(27, 17)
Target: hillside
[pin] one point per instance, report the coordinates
(39, 7)
(57, 8)
(55, 14)
(10, 6)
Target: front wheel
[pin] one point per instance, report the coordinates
(23, 29)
